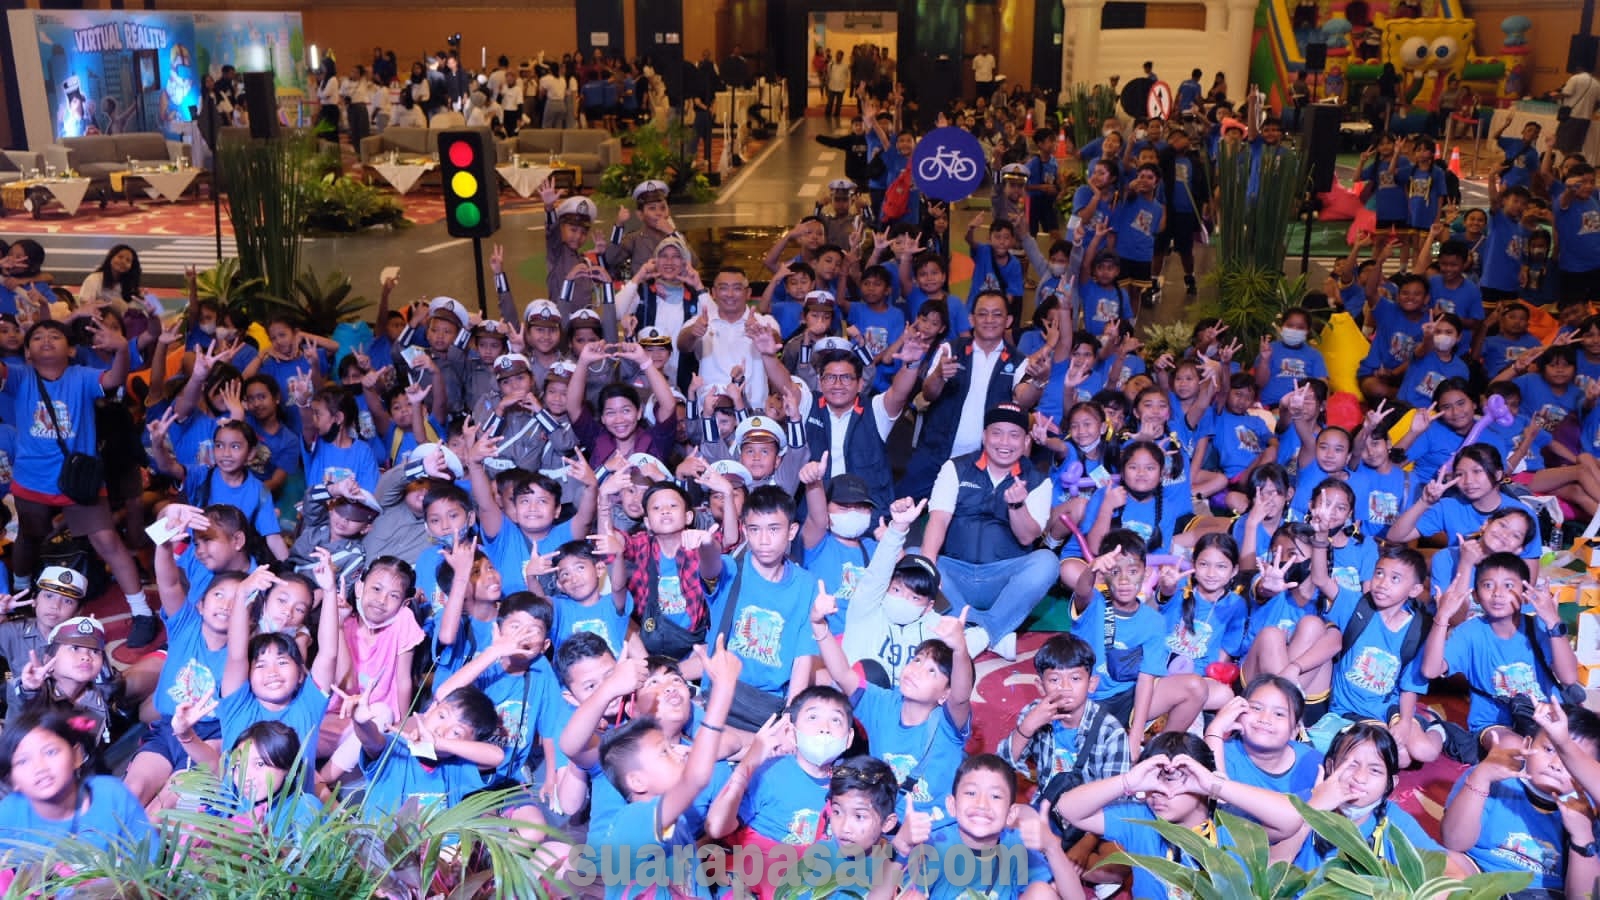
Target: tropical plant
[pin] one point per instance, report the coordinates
(321, 304)
(263, 180)
(226, 285)
(660, 155)
(1244, 871)
(1167, 337)
(459, 852)
(1258, 197)
(335, 202)
(1088, 108)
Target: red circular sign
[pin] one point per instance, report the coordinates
(461, 154)
(1159, 103)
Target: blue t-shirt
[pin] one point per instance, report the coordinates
(204, 485)
(600, 617)
(193, 671)
(1397, 334)
(1465, 300)
(1539, 397)
(1579, 229)
(1291, 365)
(115, 819)
(1503, 247)
(1103, 304)
(530, 707)
(193, 439)
(632, 830)
(36, 465)
(1454, 515)
(1136, 223)
(1281, 612)
(285, 443)
(1237, 438)
(510, 550)
(1139, 516)
(1305, 482)
(1388, 182)
(931, 751)
(771, 621)
(1430, 451)
(1354, 563)
(395, 777)
(1142, 630)
(1517, 836)
(1500, 351)
(960, 322)
(1379, 496)
(327, 461)
(1080, 201)
(1425, 375)
(1425, 189)
(282, 370)
(1126, 824)
(303, 713)
(840, 568)
(1500, 667)
(1368, 681)
(1218, 628)
(992, 274)
(785, 804)
(1524, 159)
(1298, 779)
(879, 331)
(991, 876)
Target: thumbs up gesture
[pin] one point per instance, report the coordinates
(915, 831)
(814, 471)
(1033, 825)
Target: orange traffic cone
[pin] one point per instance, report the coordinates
(1061, 143)
(1455, 161)
(1027, 125)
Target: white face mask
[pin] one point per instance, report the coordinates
(1058, 269)
(227, 334)
(902, 610)
(1444, 343)
(1358, 813)
(850, 524)
(1139, 134)
(208, 327)
(819, 749)
(1293, 337)
(1090, 447)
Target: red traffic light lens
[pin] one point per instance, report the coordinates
(461, 154)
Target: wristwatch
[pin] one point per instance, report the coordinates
(1016, 505)
(1589, 849)
(1558, 630)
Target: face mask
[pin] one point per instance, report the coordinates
(1090, 447)
(819, 749)
(1293, 337)
(208, 327)
(1358, 813)
(1139, 134)
(1058, 269)
(450, 540)
(271, 625)
(850, 524)
(1444, 343)
(1298, 572)
(227, 334)
(902, 610)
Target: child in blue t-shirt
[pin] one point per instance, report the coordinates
(581, 604)
(332, 447)
(877, 324)
(1137, 221)
(435, 758)
(522, 535)
(1101, 297)
(1253, 736)
(1453, 292)
(1502, 349)
(1505, 243)
(1384, 172)
(1440, 358)
(228, 480)
(1397, 327)
(1379, 484)
(1205, 617)
(920, 727)
(994, 268)
(1495, 649)
(1287, 362)
(1242, 441)
(53, 800)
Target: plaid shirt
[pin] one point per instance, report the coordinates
(1107, 748)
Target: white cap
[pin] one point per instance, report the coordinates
(1014, 170)
(561, 368)
(580, 207)
(640, 460)
(449, 309)
(583, 313)
(451, 460)
(842, 184)
(820, 298)
(832, 342)
(650, 405)
(732, 468)
(651, 187)
(542, 309)
(763, 426)
(652, 336)
(509, 364)
(64, 581)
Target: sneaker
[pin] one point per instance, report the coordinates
(1189, 286)
(977, 640)
(143, 632)
(1151, 295)
(1006, 647)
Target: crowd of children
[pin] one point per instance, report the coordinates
(446, 554)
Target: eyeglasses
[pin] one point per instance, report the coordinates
(837, 378)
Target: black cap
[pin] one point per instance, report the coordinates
(850, 490)
(1006, 413)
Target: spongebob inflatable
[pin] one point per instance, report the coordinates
(1431, 50)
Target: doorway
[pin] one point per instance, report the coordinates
(853, 33)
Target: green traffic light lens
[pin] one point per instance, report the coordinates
(468, 215)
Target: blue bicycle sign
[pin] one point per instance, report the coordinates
(948, 164)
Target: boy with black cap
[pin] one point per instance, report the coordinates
(335, 516)
(628, 252)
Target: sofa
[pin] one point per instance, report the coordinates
(13, 163)
(96, 156)
(590, 150)
(411, 141)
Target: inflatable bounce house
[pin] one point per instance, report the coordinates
(1427, 41)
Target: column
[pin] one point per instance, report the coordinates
(1080, 44)
(1240, 32)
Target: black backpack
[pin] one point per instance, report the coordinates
(1365, 612)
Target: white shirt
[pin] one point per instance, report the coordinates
(511, 96)
(969, 428)
(669, 316)
(725, 345)
(1580, 92)
(93, 288)
(408, 118)
(841, 422)
(553, 88)
(948, 484)
(983, 67)
(496, 82)
(838, 76)
(330, 91)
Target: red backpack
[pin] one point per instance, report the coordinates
(897, 199)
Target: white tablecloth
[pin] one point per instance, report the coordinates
(69, 192)
(402, 176)
(525, 180)
(168, 185)
(1547, 122)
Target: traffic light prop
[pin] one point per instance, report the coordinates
(471, 186)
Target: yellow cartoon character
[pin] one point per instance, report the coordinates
(1418, 46)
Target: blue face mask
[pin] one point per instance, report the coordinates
(450, 540)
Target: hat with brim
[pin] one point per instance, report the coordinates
(543, 312)
(651, 191)
(732, 469)
(80, 631)
(450, 310)
(69, 583)
(361, 507)
(1006, 414)
(510, 366)
(850, 490)
(760, 428)
(653, 337)
(913, 562)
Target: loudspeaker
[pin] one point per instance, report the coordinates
(261, 103)
(1319, 138)
(1316, 57)
(1582, 53)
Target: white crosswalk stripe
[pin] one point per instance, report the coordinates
(168, 257)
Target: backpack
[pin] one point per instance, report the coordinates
(1363, 616)
(897, 199)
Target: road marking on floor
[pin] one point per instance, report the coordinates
(808, 190)
(827, 156)
(435, 248)
(729, 189)
(820, 172)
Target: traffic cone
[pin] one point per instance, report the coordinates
(1455, 161)
(1061, 143)
(1027, 125)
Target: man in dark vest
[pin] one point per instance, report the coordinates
(967, 376)
(986, 510)
(851, 432)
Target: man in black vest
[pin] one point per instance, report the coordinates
(968, 376)
(986, 510)
(852, 432)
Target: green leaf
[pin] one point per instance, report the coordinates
(1343, 834)
(1491, 885)
(1164, 870)
(1250, 842)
